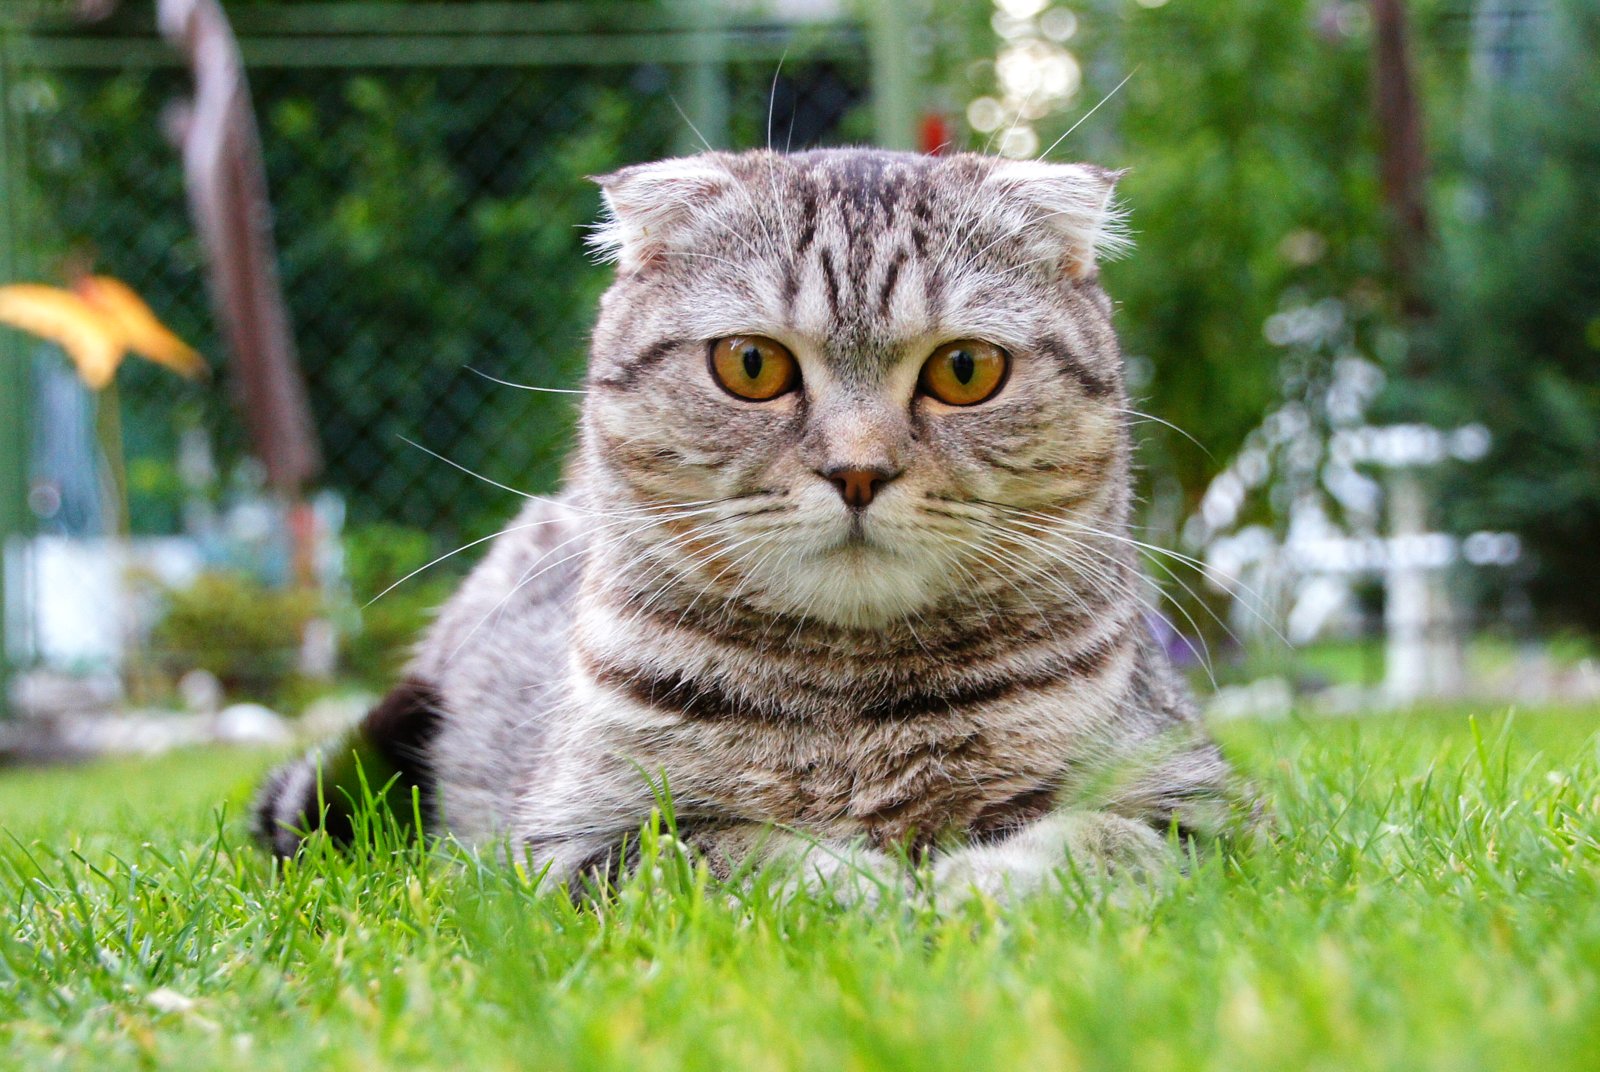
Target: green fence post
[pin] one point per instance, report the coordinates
(706, 80)
(15, 381)
(894, 83)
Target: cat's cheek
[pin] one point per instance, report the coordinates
(953, 463)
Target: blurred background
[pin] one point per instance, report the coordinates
(1362, 321)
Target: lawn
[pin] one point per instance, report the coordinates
(1432, 902)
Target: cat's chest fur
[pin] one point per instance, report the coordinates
(891, 746)
(916, 779)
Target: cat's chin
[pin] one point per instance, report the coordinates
(859, 584)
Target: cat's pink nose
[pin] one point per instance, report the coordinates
(857, 487)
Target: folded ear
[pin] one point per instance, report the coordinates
(649, 206)
(1069, 208)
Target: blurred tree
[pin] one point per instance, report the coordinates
(1251, 184)
(1517, 287)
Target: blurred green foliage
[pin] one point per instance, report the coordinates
(238, 629)
(394, 601)
(1246, 134)
(249, 634)
(1517, 287)
(433, 226)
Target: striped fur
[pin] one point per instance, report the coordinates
(962, 667)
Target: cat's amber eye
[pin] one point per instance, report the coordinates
(753, 367)
(964, 372)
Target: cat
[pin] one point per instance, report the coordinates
(842, 555)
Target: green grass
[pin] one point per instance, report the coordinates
(1432, 902)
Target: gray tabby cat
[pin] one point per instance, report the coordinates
(843, 551)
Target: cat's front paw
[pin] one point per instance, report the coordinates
(846, 870)
(850, 873)
(1092, 846)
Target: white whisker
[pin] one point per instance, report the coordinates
(1085, 118)
(457, 551)
(1158, 420)
(526, 386)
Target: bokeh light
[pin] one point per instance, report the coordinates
(1035, 76)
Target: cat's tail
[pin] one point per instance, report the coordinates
(385, 760)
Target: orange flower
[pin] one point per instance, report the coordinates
(97, 323)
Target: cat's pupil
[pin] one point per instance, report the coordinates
(961, 364)
(752, 361)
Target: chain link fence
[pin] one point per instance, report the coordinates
(430, 194)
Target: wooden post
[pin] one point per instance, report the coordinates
(228, 199)
(1424, 647)
(1402, 155)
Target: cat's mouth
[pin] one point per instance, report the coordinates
(859, 540)
(855, 535)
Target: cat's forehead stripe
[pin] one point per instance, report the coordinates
(862, 225)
